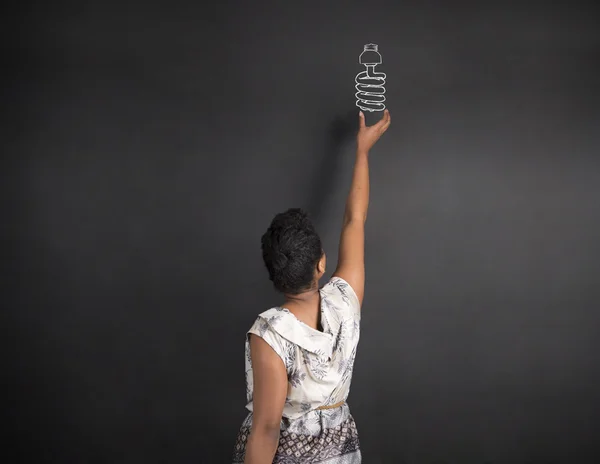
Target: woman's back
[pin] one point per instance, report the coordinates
(316, 421)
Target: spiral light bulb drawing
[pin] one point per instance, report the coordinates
(369, 83)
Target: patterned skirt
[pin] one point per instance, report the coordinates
(323, 436)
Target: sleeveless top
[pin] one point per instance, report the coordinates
(319, 364)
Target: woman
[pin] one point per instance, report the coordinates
(299, 356)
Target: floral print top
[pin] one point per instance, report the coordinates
(319, 364)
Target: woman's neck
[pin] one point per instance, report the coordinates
(305, 306)
(304, 297)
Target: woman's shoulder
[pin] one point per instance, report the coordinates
(341, 292)
(268, 326)
(273, 319)
(271, 312)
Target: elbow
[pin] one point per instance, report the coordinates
(267, 432)
(355, 218)
(262, 444)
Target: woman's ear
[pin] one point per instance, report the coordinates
(322, 264)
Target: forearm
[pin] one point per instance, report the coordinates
(357, 203)
(261, 446)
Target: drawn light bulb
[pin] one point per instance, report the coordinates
(369, 83)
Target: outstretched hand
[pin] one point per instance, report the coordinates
(368, 135)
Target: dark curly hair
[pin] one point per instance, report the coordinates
(291, 249)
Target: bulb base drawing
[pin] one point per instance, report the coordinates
(370, 83)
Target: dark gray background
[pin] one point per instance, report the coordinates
(147, 148)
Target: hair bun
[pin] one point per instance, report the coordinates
(281, 259)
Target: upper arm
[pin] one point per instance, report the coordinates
(270, 384)
(351, 260)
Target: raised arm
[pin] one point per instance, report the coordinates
(351, 260)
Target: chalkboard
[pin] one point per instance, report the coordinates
(147, 147)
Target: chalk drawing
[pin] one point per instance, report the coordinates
(369, 83)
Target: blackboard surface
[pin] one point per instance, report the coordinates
(147, 146)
